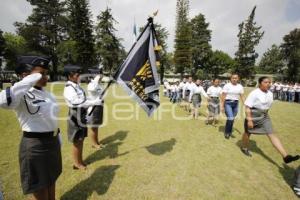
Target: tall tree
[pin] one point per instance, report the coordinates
(81, 31)
(201, 48)
(220, 62)
(2, 47)
(291, 52)
(45, 28)
(183, 36)
(249, 36)
(108, 46)
(272, 61)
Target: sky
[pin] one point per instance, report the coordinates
(277, 18)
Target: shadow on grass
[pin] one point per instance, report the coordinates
(286, 171)
(98, 182)
(222, 130)
(111, 148)
(161, 147)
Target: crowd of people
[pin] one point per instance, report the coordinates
(286, 91)
(189, 93)
(37, 112)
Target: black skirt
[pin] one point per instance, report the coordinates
(97, 117)
(40, 163)
(77, 129)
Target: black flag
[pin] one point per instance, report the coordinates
(138, 73)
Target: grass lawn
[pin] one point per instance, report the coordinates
(164, 158)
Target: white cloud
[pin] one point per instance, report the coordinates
(223, 16)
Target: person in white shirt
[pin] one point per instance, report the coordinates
(231, 94)
(195, 97)
(258, 121)
(37, 111)
(186, 93)
(297, 92)
(285, 95)
(96, 119)
(291, 92)
(214, 92)
(78, 103)
(180, 88)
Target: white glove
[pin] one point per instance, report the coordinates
(97, 78)
(97, 102)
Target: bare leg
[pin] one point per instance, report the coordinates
(41, 194)
(245, 140)
(94, 137)
(277, 144)
(51, 192)
(77, 154)
(196, 112)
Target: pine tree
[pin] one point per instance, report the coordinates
(249, 36)
(183, 36)
(201, 48)
(45, 28)
(108, 46)
(81, 31)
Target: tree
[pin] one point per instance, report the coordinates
(272, 61)
(249, 36)
(66, 53)
(2, 46)
(201, 49)
(81, 31)
(183, 36)
(15, 45)
(108, 46)
(45, 28)
(291, 51)
(220, 62)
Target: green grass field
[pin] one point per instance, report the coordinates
(164, 158)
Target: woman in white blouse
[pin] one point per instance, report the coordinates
(258, 120)
(214, 92)
(195, 97)
(231, 94)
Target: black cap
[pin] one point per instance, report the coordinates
(95, 70)
(68, 69)
(26, 63)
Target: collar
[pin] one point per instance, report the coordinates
(72, 83)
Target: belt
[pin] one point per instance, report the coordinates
(41, 134)
(214, 97)
(231, 100)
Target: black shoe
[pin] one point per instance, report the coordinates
(227, 136)
(246, 151)
(296, 190)
(290, 158)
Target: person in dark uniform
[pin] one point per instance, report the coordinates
(96, 118)
(78, 103)
(258, 121)
(37, 112)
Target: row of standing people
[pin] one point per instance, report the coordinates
(37, 111)
(286, 91)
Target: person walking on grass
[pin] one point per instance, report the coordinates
(195, 97)
(214, 92)
(258, 121)
(231, 93)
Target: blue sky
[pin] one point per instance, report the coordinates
(277, 18)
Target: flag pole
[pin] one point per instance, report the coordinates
(150, 21)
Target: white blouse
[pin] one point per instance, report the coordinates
(233, 92)
(213, 91)
(259, 99)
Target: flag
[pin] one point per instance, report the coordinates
(138, 73)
